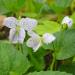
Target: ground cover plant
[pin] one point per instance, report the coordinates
(37, 37)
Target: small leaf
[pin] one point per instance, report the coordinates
(47, 27)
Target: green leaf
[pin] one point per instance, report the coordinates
(70, 68)
(48, 46)
(13, 73)
(67, 45)
(3, 9)
(20, 64)
(11, 5)
(49, 73)
(12, 60)
(39, 63)
(60, 5)
(29, 14)
(29, 5)
(25, 50)
(34, 59)
(73, 17)
(47, 27)
(64, 45)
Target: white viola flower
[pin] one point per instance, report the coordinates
(18, 27)
(48, 38)
(17, 33)
(68, 21)
(35, 41)
(28, 23)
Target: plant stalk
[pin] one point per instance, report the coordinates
(53, 62)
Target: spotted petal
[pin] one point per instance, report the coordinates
(48, 38)
(14, 38)
(10, 22)
(34, 43)
(28, 23)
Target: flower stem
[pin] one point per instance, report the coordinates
(54, 59)
(53, 62)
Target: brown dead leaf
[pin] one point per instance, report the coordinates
(1, 21)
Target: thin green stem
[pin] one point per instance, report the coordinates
(53, 62)
(54, 59)
(54, 54)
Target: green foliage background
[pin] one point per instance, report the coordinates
(49, 14)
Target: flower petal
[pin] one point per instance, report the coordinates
(10, 22)
(16, 38)
(34, 43)
(12, 36)
(28, 23)
(21, 36)
(68, 21)
(48, 38)
(33, 34)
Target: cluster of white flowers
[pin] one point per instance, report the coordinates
(68, 21)
(19, 26)
(17, 32)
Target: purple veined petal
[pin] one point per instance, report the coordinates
(22, 35)
(68, 21)
(10, 22)
(16, 38)
(28, 23)
(34, 43)
(48, 38)
(12, 36)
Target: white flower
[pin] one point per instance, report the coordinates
(35, 41)
(68, 21)
(18, 27)
(48, 38)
